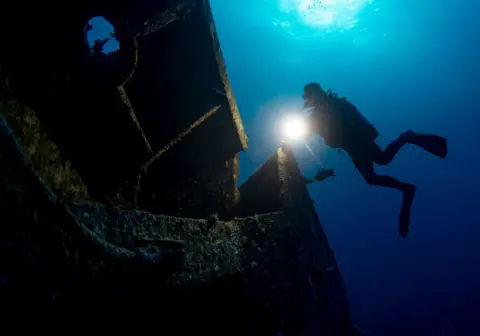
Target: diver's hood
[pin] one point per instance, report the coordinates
(311, 93)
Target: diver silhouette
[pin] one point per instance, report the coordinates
(342, 126)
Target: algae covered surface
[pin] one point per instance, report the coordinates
(39, 148)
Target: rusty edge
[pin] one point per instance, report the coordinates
(237, 120)
(131, 111)
(135, 64)
(168, 16)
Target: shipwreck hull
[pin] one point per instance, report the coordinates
(162, 100)
(118, 180)
(270, 272)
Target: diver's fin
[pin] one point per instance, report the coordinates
(433, 144)
(404, 220)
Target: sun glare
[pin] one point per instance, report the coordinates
(295, 128)
(328, 14)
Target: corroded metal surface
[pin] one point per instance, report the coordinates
(112, 114)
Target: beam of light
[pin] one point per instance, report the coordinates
(317, 159)
(309, 149)
(295, 128)
(326, 14)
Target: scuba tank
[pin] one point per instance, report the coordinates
(346, 125)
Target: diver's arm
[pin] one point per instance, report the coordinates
(317, 124)
(324, 173)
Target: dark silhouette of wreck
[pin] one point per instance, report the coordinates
(119, 179)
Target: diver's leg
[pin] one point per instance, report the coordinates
(386, 156)
(433, 144)
(366, 170)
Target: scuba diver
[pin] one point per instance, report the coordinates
(342, 126)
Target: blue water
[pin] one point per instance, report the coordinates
(406, 64)
(101, 30)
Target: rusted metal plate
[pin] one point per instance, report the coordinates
(179, 76)
(111, 114)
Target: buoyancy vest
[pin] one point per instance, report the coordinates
(340, 123)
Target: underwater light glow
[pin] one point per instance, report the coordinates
(327, 14)
(295, 128)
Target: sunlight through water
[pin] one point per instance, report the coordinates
(326, 14)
